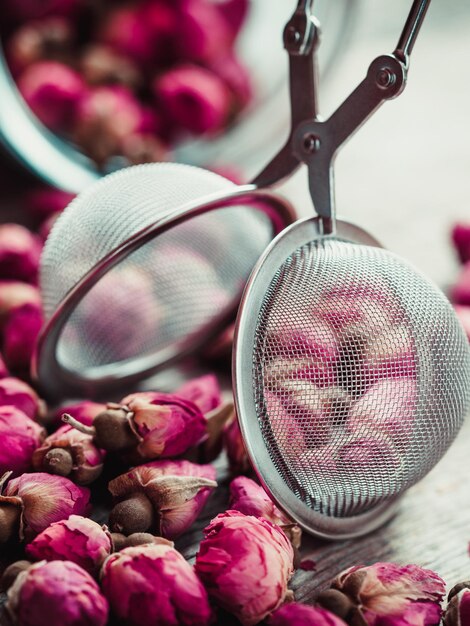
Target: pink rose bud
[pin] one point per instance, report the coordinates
(77, 539)
(460, 293)
(239, 461)
(249, 498)
(50, 38)
(17, 393)
(84, 411)
(195, 98)
(53, 92)
(390, 354)
(463, 313)
(20, 335)
(69, 452)
(34, 501)
(393, 594)
(294, 614)
(203, 33)
(461, 241)
(388, 406)
(245, 563)
(14, 294)
(20, 251)
(167, 425)
(58, 592)
(46, 201)
(458, 608)
(101, 65)
(154, 584)
(204, 392)
(19, 437)
(164, 497)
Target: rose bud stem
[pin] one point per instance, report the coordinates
(58, 461)
(111, 429)
(135, 515)
(11, 572)
(336, 602)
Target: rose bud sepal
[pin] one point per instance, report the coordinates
(111, 429)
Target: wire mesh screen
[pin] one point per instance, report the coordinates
(166, 292)
(361, 375)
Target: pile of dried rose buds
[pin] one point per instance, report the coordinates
(128, 78)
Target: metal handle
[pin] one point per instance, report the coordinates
(314, 142)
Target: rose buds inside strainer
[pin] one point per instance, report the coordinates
(144, 267)
(351, 370)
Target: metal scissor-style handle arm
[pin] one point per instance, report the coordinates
(315, 142)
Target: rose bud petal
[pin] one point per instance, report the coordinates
(19, 437)
(461, 241)
(167, 425)
(53, 92)
(458, 608)
(163, 496)
(14, 294)
(245, 563)
(58, 592)
(390, 354)
(69, 452)
(101, 65)
(49, 38)
(20, 251)
(203, 33)
(46, 201)
(388, 406)
(19, 394)
(393, 594)
(315, 341)
(36, 501)
(460, 293)
(154, 584)
(84, 411)
(295, 614)
(20, 334)
(239, 461)
(195, 98)
(204, 392)
(77, 539)
(249, 498)
(463, 313)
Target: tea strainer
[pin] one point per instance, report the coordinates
(351, 370)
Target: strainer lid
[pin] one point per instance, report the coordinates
(351, 377)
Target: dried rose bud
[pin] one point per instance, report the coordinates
(19, 437)
(58, 592)
(249, 498)
(19, 394)
(316, 341)
(317, 371)
(77, 539)
(458, 609)
(164, 497)
(20, 334)
(84, 411)
(14, 294)
(31, 502)
(295, 614)
(391, 593)
(195, 98)
(111, 429)
(154, 584)
(53, 92)
(204, 392)
(234, 445)
(46, 201)
(388, 406)
(69, 452)
(460, 293)
(245, 563)
(101, 65)
(461, 241)
(20, 251)
(463, 313)
(202, 32)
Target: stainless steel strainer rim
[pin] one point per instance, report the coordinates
(318, 524)
(45, 364)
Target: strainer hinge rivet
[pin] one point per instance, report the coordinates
(311, 143)
(385, 78)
